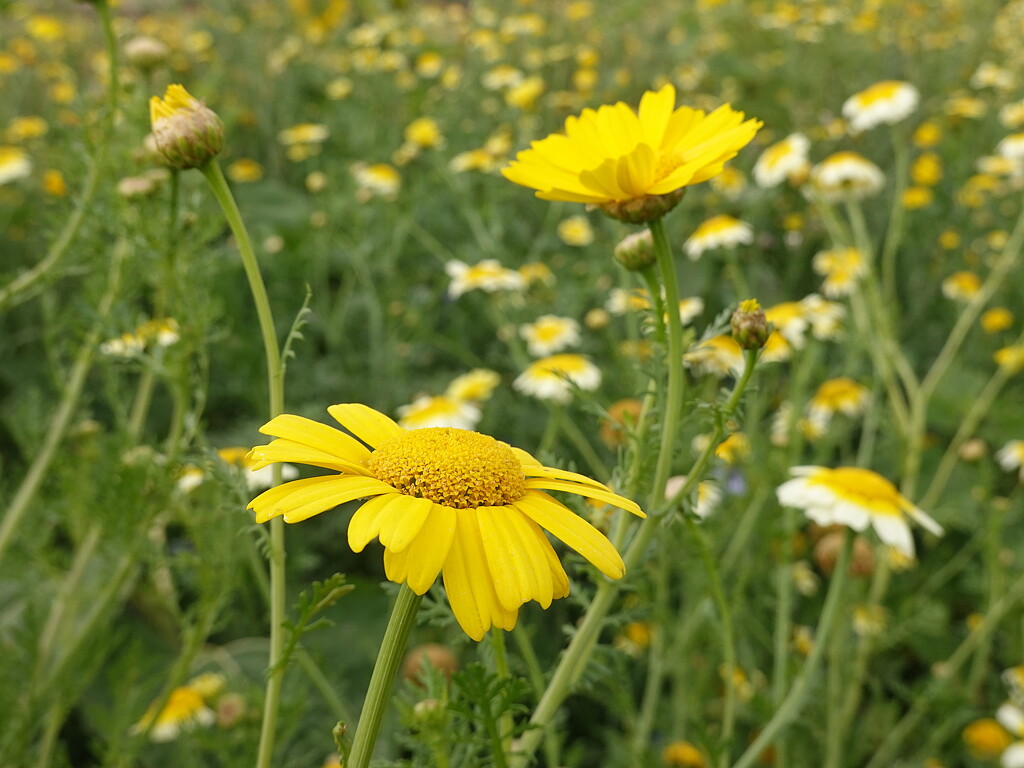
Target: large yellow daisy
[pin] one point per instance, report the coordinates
(441, 500)
(633, 165)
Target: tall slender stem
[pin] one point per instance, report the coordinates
(671, 412)
(275, 376)
(392, 648)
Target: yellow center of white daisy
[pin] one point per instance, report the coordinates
(860, 485)
(453, 467)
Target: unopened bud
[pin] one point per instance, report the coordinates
(750, 327)
(826, 553)
(187, 132)
(433, 655)
(636, 251)
(146, 53)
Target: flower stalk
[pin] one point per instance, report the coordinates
(275, 376)
(392, 648)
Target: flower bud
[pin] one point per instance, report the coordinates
(750, 327)
(187, 132)
(435, 655)
(146, 53)
(636, 251)
(826, 552)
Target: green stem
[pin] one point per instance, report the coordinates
(894, 233)
(501, 670)
(728, 634)
(275, 376)
(671, 413)
(392, 648)
(796, 698)
(68, 406)
(16, 290)
(536, 677)
(575, 658)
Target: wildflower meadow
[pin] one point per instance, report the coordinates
(511, 384)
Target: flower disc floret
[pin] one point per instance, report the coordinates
(454, 467)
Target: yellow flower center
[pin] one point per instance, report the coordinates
(453, 467)
(860, 484)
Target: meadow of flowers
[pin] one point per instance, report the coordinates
(512, 383)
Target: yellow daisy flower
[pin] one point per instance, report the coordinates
(475, 386)
(438, 411)
(549, 334)
(442, 500)
(842, 268)
(14, 164)
(633, 165)
(887, 102)
(554, 377)
(855, 497)
(719, 231)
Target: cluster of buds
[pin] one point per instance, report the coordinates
(187, 132)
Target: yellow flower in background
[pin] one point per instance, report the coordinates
(961, 286)
(475, 386)
(376, 180)
(883, 103)
(438, 411)
(1011, 457)
(842, 268)
(927, 134)
(25, 128)
(185, 709)
(926, 170)
(423, 132)
(735, 448)
(840, 395)
(442, 500)
(524, 95)
(54, 184)
(846, 174)
(1010, 358)
(683, 754)
(784, 160)
(576, 231)
(245, 170)
(914, 198)
(549, 334)
(856, 498)
(14, 164)
(986, 738)
(634, 165)
(487, 275)
(996, 319)
(718, 232)
(720, 356)
(554, 377)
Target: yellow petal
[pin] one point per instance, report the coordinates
(560, 474)
(370, 426)
(572, 529)
(400, 526)
(301, 499)
(513, 559)
(282, 449)
(316, 435)
(543, 483)
(467, 582)
(365, 523)
(655, 112)
(429, 550)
